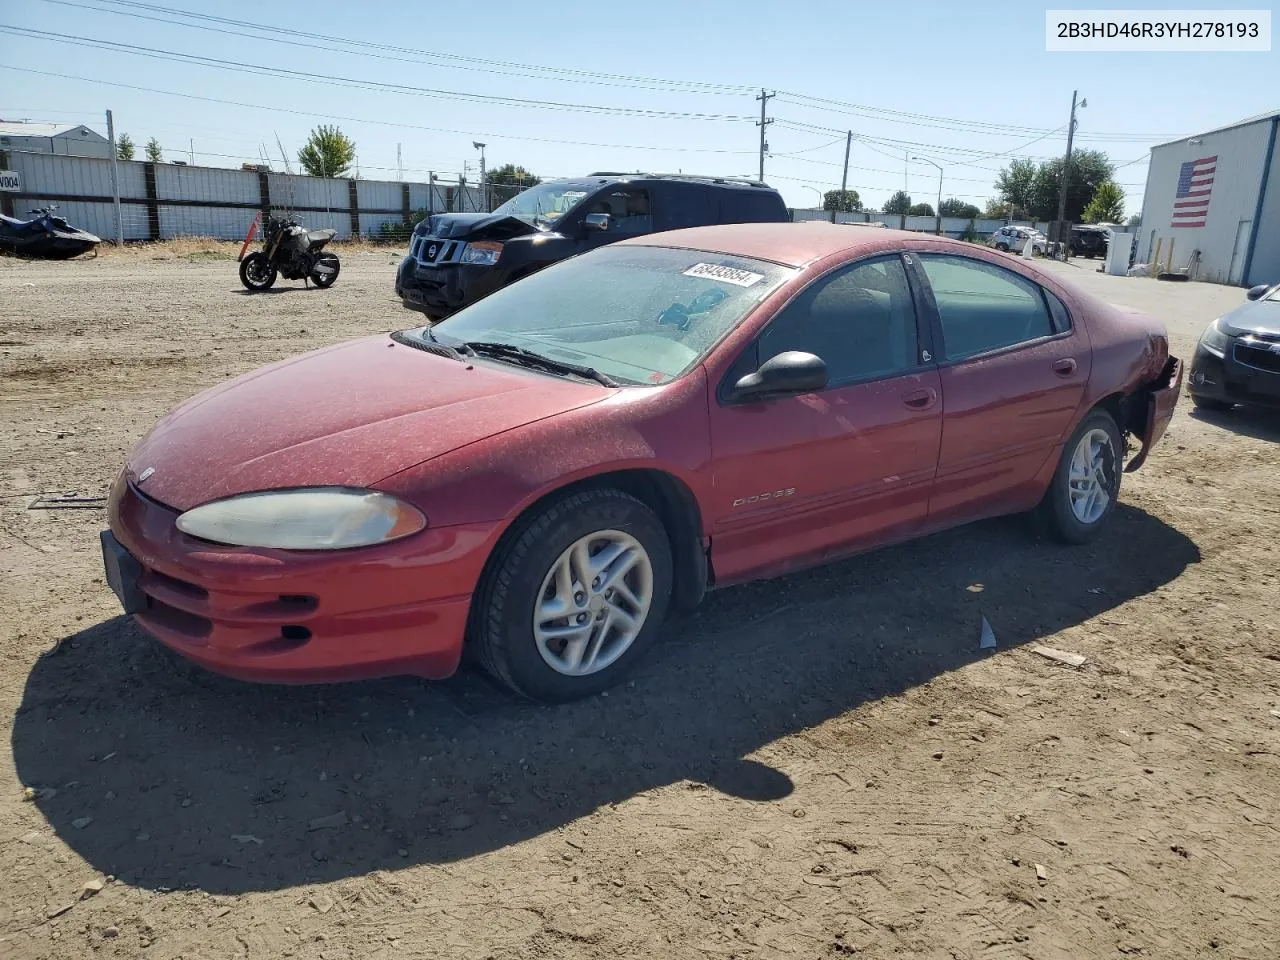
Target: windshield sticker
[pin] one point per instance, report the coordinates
(714, 271)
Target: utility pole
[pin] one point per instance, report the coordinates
(193, 151)
(1066, 169)
(844, 178)
(399, 165)
(485, 199)
(115, 179)
(762, 123)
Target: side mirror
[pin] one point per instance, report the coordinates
(788, 373)
(596, 221)
(1256, 293)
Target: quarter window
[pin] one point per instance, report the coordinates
(984, 307)
(860, 320)
(1058, 310)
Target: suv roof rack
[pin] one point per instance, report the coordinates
(711, 177)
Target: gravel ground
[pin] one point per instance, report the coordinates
(819, 765)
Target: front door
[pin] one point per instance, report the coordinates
(802, 478)
(630, 213)
(1013, 369)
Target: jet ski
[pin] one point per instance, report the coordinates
(46, 236)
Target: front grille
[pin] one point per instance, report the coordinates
(434, 251)
(1260, 358)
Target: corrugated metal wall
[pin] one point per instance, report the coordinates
(1265, 265)
(210, 201)
(951, 226)
(1224, 239)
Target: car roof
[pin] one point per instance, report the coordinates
(594, 181)
(789, 244)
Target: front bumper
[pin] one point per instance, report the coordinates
(445, 289)
(1229, 380)
(291, 617)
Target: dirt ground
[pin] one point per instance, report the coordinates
(823, 765)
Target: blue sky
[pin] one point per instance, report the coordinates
(966, 85)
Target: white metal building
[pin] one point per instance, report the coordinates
(69, 141)
(1217, 193)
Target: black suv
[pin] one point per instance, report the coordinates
(457, 258)
(1088, 241)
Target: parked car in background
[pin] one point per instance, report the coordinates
(1089, 241)
(542, 475)
(456, 259)
(1013, 239)
(1238, 357)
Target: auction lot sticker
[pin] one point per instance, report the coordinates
(715, 271)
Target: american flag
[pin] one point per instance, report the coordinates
(1195, 183)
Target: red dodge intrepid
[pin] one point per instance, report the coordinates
(541, 477)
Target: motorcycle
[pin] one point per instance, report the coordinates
(291, 250)
(48, 236)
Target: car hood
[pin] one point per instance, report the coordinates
(1259, 316)
(475, 226)
(348, 415)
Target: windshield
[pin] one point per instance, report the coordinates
(640, 315)
(544, 204)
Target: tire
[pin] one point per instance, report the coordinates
(1002, 247)
(324, 281)
(535, 660)
(1210, 404)
(1077, 518)
(257, 273)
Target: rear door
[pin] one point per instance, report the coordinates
(800, 478)
(1013, 370)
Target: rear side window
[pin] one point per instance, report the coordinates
(984, 307)
(678, 205)
(1058, 311)
(751, 206)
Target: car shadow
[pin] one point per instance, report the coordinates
(1259, 423)
(274, 290)
(172, 778)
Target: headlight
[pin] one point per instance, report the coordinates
(482, 252)
(320, 518)
(1214, 340)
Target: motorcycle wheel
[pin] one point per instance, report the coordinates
(325, 280)
(256, 272)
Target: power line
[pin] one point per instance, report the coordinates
(483, 65)
(236, 66)
(383, 123)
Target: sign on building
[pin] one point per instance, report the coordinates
(9, 180)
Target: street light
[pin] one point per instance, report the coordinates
(820, 194)
(938, 212)
(484, 184)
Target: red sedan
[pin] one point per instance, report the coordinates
(541, 477)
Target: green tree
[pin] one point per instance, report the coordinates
(996, 209)
(900, 202)
(844, 201)
(124, 147)
(921, 210)
(328, 152)
(1089, 168)
(1107, 205)
(951, 207)
(1136, 220)
(1016, 186)
(510, 175)
(154, 152)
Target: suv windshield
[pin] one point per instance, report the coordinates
(640, 315)
(544, 204)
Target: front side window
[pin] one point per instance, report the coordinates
(859, 319)
(628, 209)
(641, 315)
(544, 204)
(983, 307)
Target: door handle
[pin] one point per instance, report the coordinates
(1065, 367)
(920, 399)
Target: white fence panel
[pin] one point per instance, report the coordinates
(97, 218)
(206, 183)
(423, 197)
(223, 223)
(77, 176)
(287, 191)
(371, 223)
(378, 195)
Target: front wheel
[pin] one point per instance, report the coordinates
(1002, 247)
(574, 598)
(1086, 485)
(324, 272)
(257, 272)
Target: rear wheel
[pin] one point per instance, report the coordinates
(257, 272)
(574, 598)
(1086, 485)
(324, 272)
